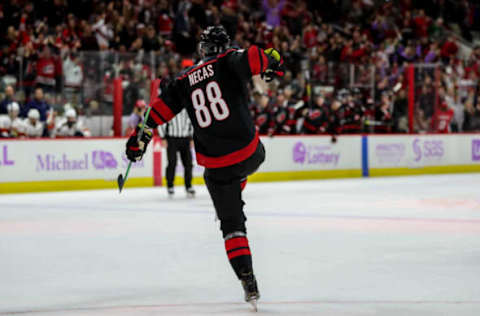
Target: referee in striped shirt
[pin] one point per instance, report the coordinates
(177, 137)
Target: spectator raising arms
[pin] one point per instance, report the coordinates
(103, 32)
(442, 118)
(73, 74)
(48, 71)
(273, 10)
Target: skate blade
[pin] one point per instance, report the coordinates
(254, 304)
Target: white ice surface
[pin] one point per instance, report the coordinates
(385, 246)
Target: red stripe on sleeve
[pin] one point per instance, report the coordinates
(254, 60)
(156, 118)
(163, 109)
(236, 242)
(265, 61)
(238, 253)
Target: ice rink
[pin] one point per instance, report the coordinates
(384, 246)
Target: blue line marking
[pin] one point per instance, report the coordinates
(365, 170)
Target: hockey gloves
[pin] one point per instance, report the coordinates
(136, 147)
(275, 65)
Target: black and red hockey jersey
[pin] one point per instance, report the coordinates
(264, 120)
(285, 119)
(316, 120)
(215, 94)
(353, 113)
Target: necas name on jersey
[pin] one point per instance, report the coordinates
(201, 74)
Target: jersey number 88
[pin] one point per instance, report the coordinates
(218, 106)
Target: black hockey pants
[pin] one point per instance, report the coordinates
(225, 187)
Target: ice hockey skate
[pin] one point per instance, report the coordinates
(190, 193)
(249, 284)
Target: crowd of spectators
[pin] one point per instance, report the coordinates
(345, 60)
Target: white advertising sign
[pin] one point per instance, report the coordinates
(43, 160)
(72, 159)
(197, 170)
(311, 153)
(286, 153)
(423, 150)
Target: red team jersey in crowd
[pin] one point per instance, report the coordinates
(215, 94)
(442, 119)
(47, 70)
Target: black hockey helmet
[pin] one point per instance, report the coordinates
(214, 40)
(343, 94)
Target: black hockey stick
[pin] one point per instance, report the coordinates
(121, 179)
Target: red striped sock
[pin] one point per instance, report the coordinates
(237, 246)
(239, 255)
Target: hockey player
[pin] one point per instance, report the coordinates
(286, 113)
(353, 114)
(280, 115)
(33, 126)
(316, 118)
(71, 126)
(11, 125)
(295, 109)
(264, 116)
(4, 126)
(214, 93)
(336, 117)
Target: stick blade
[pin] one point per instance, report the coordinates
(120, 182)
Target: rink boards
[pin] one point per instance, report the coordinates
(67, 164)
(422, 154)
(73, 164)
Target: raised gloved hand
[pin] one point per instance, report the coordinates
(275, 69)
(136, 146)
